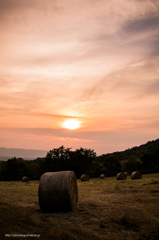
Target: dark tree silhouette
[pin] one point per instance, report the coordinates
(112, 164)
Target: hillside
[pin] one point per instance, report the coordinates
(148, 147)
(144, 158)
(6, 153)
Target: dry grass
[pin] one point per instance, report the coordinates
(107, 209)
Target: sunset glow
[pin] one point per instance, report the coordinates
(87, 66)
(71, 124)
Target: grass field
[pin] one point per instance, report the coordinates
(107, 209)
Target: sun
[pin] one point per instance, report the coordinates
(71, 124)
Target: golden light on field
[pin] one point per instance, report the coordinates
(71, 124)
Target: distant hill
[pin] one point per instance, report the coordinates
(27, 154)
(148, 147)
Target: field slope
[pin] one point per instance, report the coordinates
(107, 209)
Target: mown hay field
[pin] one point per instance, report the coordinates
(107, 209)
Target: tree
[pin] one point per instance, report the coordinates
(61, 159)
(14, 168)
(156, 158)
(132, 163)
(82, 160)
(147, 160)
(57, 159)
(112, 164)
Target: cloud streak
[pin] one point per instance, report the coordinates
(96, 61)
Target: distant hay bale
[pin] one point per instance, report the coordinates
(127, 173)
(136, 175)
(121, 176)
(102, 176)
(58, 191)
(85, 177)
(25, 179)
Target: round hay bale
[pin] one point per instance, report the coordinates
(25, 179)
(136, 175)
(102, 176)
(58, 191)
(121, 176)
(85, 177)
(127, 173)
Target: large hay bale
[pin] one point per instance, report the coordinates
(58, 191)
(85, 177)
(25, 179)
(136, 175)
(121, 176)
(102, 176)
(127, 173)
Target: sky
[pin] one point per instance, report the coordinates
(93, 61)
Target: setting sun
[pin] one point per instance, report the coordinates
(71, 124)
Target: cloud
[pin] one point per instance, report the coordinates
(143, 32)
(101, 142)
(7, 5)
(148, 23)
(153, 88)
(86, 34)
(93, 60)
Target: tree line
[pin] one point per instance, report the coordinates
(80, 161)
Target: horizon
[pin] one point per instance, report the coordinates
(79, 74)
(38, 150)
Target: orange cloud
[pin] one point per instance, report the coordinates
(96, 61)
